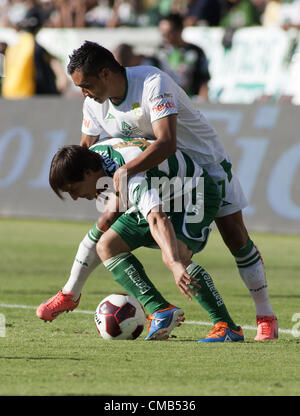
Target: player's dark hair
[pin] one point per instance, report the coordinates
(175, 19)
(69, 165)
(90, 58)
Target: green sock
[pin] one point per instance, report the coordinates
(130, 274)
(209, 298)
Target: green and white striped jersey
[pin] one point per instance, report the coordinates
(162, 185)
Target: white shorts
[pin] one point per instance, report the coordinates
(232, 196)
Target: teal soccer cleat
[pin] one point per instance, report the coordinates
(163, 322)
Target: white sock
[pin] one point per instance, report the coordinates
(252, 271)
(85, 262)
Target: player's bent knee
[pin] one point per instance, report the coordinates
(110, 245)
(100, 249)
(103, 247)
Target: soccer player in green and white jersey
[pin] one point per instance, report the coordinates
(178, 230)
(145, 102)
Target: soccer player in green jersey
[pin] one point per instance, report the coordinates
(153, 217)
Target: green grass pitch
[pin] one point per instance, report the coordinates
(68, 357)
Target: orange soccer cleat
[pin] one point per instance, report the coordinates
(267, 328)
(222, 333)
(61, 302)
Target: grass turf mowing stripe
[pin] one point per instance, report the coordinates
(252, 328)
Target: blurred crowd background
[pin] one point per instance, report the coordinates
(188, 63)
(136, 13)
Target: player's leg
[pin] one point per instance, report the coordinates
(127, 270)
(192, 238)
(229, 221)
(208, 296)
(86, 260)
(248, 259)
(114, 248)
(67, 299)
(251, 269)
(233, 230)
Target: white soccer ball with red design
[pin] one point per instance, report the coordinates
(120, 317)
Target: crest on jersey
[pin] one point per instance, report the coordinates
(130, 131)
(127, 129)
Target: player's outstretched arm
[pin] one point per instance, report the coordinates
(163, 233)
(110, 214)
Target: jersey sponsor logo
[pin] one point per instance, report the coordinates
(161, 96)
(86, 123)
(109, 165)
(161, 107)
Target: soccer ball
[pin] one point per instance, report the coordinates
(120, 317)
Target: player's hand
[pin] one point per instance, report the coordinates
(185, 283)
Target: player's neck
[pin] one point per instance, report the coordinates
(119, 88)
